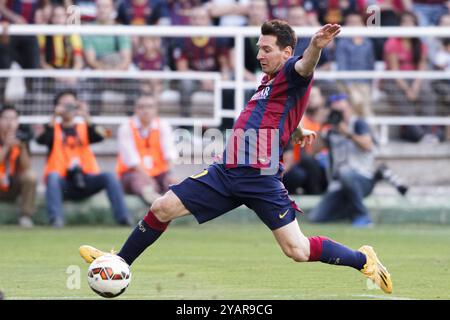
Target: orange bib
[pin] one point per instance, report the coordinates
(149, 150)
(68, 151)
(8, 168)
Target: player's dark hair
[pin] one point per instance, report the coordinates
(62, 93)
(282, 30)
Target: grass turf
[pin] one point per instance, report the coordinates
(227, 261)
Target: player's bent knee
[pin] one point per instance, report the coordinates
(158, 210)
(163, 209)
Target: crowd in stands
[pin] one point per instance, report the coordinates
(210, 54)
(143, 165)
(145, 171)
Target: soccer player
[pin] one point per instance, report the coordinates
(276, 107)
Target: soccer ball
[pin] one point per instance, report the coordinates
(109, 276)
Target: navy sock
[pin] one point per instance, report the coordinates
(328, 251)
(145, 234)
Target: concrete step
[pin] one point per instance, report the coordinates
(385, 206)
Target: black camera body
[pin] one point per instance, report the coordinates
(24, 133)
(76, 176)
(71, 107)
(335, 117)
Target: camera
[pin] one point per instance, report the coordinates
(384, 173)
(70, 107)
(335, 117)
(23, 136)
(76, 175)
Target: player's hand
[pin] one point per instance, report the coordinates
(325, 35)
(304, 137)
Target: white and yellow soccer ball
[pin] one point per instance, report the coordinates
(109, 276)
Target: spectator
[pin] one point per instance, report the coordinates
(107, 52)
(229, 12)
(298, 17)
(409, 54)
(4, 58)
(200, 54)
(150, 56)
(435, 43)
(354, 54)
(87, 9)
(22, 49)
(145, 152)
(142, 12)
(61, 52)
(396, 6)
(72, 171)
(429, 12)
(351, 151)
(279, 9)
(389, 16)
(257, 14)
(442, 87)
(179, 10)
(17, 180)
(306, 169)
(43, 12)
(334, 11)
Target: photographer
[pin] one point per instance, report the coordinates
(72, 171)
(351, 172)
(16, 177)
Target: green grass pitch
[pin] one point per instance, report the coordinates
(226, 261)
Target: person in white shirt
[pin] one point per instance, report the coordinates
(146, 151)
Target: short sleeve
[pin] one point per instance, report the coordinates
(390, 46)
(41, 42)
(440, 60)
(124, 43)
(87, 43)
(361, 127)
(292, 76)
(424, 49)
(77, 44)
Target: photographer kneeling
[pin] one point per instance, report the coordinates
(17, 180)
(351, 171)
(72, 171)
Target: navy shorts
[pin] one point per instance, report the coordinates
(218, 190)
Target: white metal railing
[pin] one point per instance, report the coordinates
(239, 85)
(190, 31)
(133, 74)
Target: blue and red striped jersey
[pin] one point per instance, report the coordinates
(269, 119)
(24, 8)
(201, 53)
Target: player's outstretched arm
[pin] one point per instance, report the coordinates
(305, 66)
